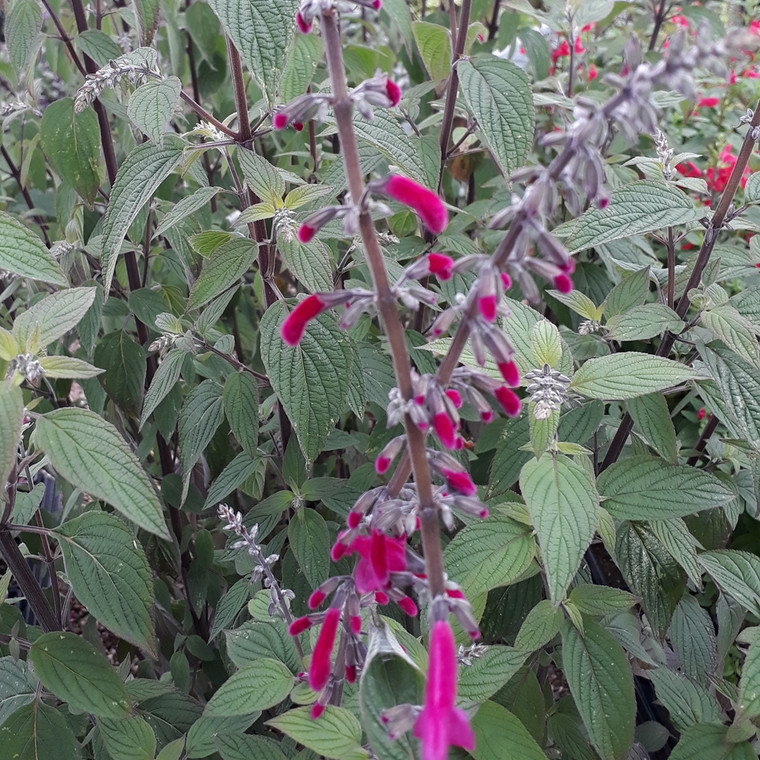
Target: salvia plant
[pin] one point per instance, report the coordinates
(379, 380)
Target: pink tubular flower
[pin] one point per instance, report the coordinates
(455, 397)
(460, 481)
(306, 233)
(708, 102)
(299, 625)
(319, 668)
(440, 265)
(592, 73)
(441, 724)
(510, 373)
(427, 205)
(393, 91)
(294, 326)
(381, 555)
(304, 26)
(563, 283)
(487, 305)
(509, 400)
(280, 120)
(445, 430)
(579, 49)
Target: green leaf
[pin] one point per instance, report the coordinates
(99, 46)
(650, 572)
(739, 384)
(337, 734)
(255, 639)
(237, 472)
(749, 684)
(510, 457)
(579, 302)
(222, 269)
(692, 637)
(71, 142)
(645, 488)
(681, 545)
(497, 729)
(37, 731)
(152, 105)
(77, 673)
(185, 207)
(540, 626)
(644, 322)
(143, 170)
(687, 703)
(262, 177)
(312, 264)
(633, 209)
(229, 606)
(110, 575)
(490, 553)
(23, 24)
(311, 380)
(128, 739)
(247, 747)
(651, 417)
(600, 601)
(736, 573)
(601, 683)
(563, 504)
(300, 65)
(68, 367)
(258, 686)
(22, 253)
(261, 31)
(241, 405)
(388, 136)
(53, 316)
(618, 377)
(733, 329)
(163, 382)
(17, 686)
(124, 362)
(201, 415)
(434, 44)
(146, 13)
(489, 672)
(310, 541)
(91, 454)
(709, 742)
(630, 292)
(201, 738)
(11, 421)
(498, 94)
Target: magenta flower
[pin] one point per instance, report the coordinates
(563, 283)
(445, 430)
(509, 400)
(441, 724)
(459, 481)
(294, 326)
(304, 26)
(510, 373)
(381, 555)
(488, 306)
(440, 265)
(427, 205)
(320, 666)
(280, 120)
(393, 91)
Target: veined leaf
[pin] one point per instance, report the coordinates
(164, 380)
(11, 421)
(300, 64)
(110, 575)
(312, 264)
(687, 703)
(23, 24)
(498, 94)
(651, 417)
(124, 362)
(262, 177)
(241, 405)
(18, 686)
(645, 488)
(643, 322)
(633, 209)
(143, 170)
(89, 452)
(489, 553)
(258, 686)
(311, 380)
(310, 542)
(497, 729)
(618, 377)
(38, 731)
(71, 142)
(257, 639)
(563, 505)
(68, 367)
(710, 742)
(540, 626)
(434, 44)
(733, 329)
(749, 685)
(183, 208)
(23, 253)
(736, 573)
(201, 415)
(146, 12)
(337, 734)
(53, 316)
(489, 672)
(261, 31)
(601, 683)
(222, 269)
(247, 746)
(77, 673)
(128, 738)
(151, 106)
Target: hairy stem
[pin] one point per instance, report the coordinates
(386, 304)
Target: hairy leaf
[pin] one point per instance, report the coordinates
(23, 253)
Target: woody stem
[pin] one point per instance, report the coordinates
(386, 303)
